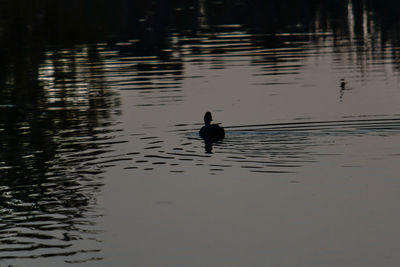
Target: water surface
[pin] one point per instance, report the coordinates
(101, 162)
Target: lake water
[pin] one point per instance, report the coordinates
(101, 163)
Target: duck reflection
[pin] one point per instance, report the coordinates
(211, 133)
(208, 146)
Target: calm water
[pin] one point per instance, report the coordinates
(101, 163)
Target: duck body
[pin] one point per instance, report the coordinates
(211, 131)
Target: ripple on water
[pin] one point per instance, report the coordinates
(264, 148)
(48, 195)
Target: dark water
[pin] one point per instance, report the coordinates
(101, 163)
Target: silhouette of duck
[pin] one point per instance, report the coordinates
(210, 131)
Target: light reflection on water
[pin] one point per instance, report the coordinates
(104, 109)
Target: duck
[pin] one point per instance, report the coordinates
(211, 131)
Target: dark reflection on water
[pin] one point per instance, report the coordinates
(53, 123)
(63, 63)
(145, 29)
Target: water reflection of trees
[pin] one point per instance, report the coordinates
(55, 109)
(90, 21)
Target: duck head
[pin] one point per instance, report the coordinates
(207, 118)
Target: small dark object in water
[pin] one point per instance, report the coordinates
(342, 84)
(209, 131)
